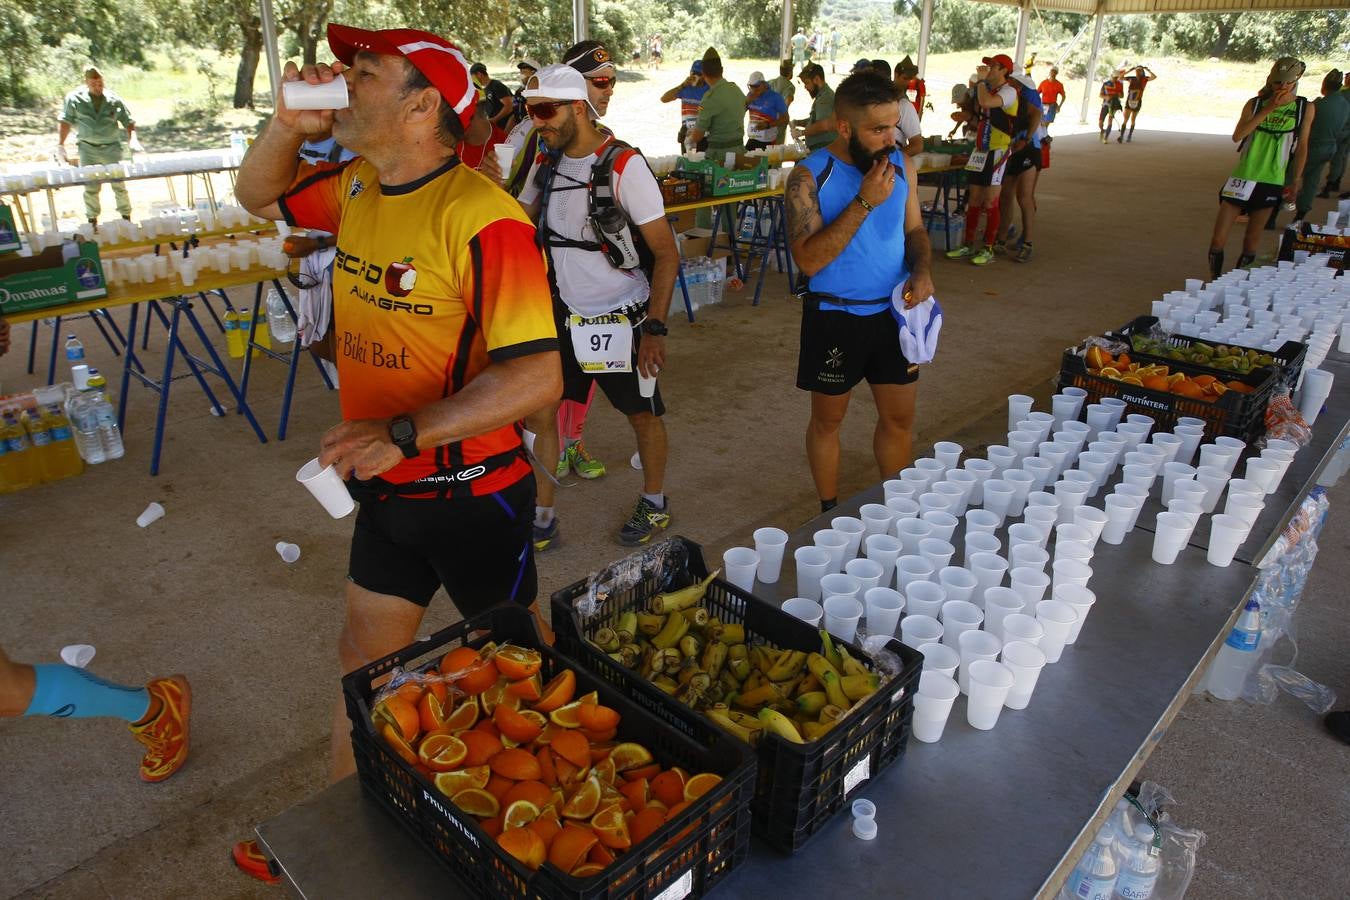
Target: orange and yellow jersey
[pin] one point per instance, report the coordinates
(433, 280)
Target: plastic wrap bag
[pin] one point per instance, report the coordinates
(1178, 845)
(1284, 421)
(661, 562)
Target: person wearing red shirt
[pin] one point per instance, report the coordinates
(1134, 98)
(479, 139)
(1112, 90)
(1052, 95)
(907, 79)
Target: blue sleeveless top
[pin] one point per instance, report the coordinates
(873, 263)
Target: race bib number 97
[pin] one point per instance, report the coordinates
(602, 344)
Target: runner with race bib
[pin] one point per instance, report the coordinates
(1134, 99)
(997, 102)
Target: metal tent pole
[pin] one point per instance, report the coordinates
(1092, 66)
(269, 34)
(580, 21)
(925, 34)
(785, 37)
(1023, 25)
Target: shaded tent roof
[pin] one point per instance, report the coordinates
(1145, 7)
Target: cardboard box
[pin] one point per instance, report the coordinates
(60, 275)
(9, 234)
(720, 181)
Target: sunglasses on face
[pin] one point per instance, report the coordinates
(603, 82)
(546, 110)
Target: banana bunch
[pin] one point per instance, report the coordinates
(747, 689)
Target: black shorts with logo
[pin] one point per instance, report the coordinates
(994, 169)
(477, 548)
(620, 387)
(839, 349)
(1028, 157)
(1264, 196)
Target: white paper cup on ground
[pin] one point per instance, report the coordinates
(940, 658)
(288, 552)
(327, 487)
(924, 598)
(959, 616)
(813, 563)
(948, 453)
(901, 507)
(918, 630)
(1025, 661)
(1081, 599)
(1057, 618)
(770, 544)
(1042, 518)
(998, 497)
(1191, 491)
(153, 513)
(937, 552)
(841, 616)
(990, 683)
(328, 95)
(739, 565)
(78, 655)
(1226, 534)
(882, 606)
(1172, 531)
(932, 706)
(999, 603)
(883, 549)
(809, 611)
(975, 645)
(1070, 495)
(1212, 479)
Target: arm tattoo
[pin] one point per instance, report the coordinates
(803, 206)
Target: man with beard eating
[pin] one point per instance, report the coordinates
(857, 234)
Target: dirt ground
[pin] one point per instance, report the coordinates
(204, 593)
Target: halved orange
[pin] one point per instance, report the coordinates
(498, 786)
(451, 783)
(442, 752)
(573, 747)
(1203, 380)
(584, 801)
(547, 773)
(464, 716)
(604, 770)
(535, 792)
(648, 772)
(567, 773)
(394, 738)
(431, 712)
(630, 756)
(476, 802)
(611, 828)
(1109, 372)
(600, 750)
(411, 691)
(638, 792)
(570, 846)
(602, 737)
(527, 689)
(478, 679)
(519, 814)
(525, 845)
(459, 661)
(495, 695)
(517, 662)
(547, 824)
(700, 784)
(668, 787)
(588, 869)
(481, 747)
(595, 717)
(515, 726)
(491, 824)
(566, 716)
(600, 855)
(516, 764)
(645, 823)
(558, 691)
(400, 712)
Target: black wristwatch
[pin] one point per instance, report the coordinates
(655, 327)
(403, 433)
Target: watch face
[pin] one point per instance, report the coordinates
(401, 430)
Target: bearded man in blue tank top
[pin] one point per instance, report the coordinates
(857, 234)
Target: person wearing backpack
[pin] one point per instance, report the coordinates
(1272, 138)
(1024, 165)
(612, 266)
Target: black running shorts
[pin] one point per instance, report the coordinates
(995, 167)
(1028, 157)
(620, 387)
(477, 548)
(1264, 196)
(839, 349)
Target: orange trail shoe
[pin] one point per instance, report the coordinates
(164, 730)
(249, 857)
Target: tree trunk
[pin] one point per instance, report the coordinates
(1226, 24)
(248, 64)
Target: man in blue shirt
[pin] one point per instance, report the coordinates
(768, 113)
(856, 232)
(690, 94)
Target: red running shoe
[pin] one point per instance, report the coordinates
(249, 857)
(164, 730)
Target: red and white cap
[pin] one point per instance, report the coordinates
(439, 60)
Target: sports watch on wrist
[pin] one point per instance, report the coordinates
(403, 433)
(655, 327)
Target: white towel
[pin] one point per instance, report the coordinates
(314, 312)
(919, 326)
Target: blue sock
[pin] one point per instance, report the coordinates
(67, 692)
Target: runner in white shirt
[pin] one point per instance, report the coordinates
(909, 133)
(611, 318)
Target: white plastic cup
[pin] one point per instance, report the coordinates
(933, 471)
(838, 584)
(959, 583)
(1093, 519)
(1042, 518)
(901, 508)
(883, 606)
(1212, 479)
(852, 528)
(1098, 419)
(990, 683)
(940, 658)
(974, 645)
(883, 549)
(867, 572)
(989, 570)
(1072, 533)
(1172, 531)
(1226, 534)
(980, 543)
(1022, 626)
(1042, 471)
(894, 487)
(78, 655)
(999, 603)
(809, 611)
(1119, 508)
(983, 470)
(288, 552)
(1218, 455)
(1244, 507)
(153, 513)
(1023, 443)
(1019, 407)
(916, 630)
(959, 616)
(944, 524)
(1063, 407)
(876, 519)
(841, 616)
(1264, 472)
(327, 487)
(1024, 535)
(937, 552)
(1189, 490)
(1069, 571)
(303, 95)
(1098, 465)
(1041, 500)
(911, 569)
(1316, 388)
(967, 482)
(924, 598)
(1041, 422)
(813, 563)
(1246, 486)
(1025, 661)
(1169, 443)
(1026, 556)
(1056, 454)
(646, 383)
(998, 497)
(1022, 483)
(1172, 473)
(1057, 618)
(981, 521)
(1078, 394)
(932, 501)
(1191, 436)
(834, 543)
(1282, 458)
(506, 155)
(1187, 508)
(1070, 495)
(770, 544)
(739, 565)
(948, 453)
(1134, 434)
(1029, 584)
(932, 706)
(1002, 458)
(1081, 599)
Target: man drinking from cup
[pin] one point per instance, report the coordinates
(444, 337)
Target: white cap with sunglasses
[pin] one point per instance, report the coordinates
(559, 82)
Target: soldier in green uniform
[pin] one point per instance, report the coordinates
(99, 116)
(721, 115)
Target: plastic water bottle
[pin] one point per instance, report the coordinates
(234, 338)
(63, 456)
(18, 466)
(749, 221)
(1094, 878)
(238, 143)
(85, 423)
(109, 436)
(79, 370)
(279, 321)
(1228, 673)
(1139, 865)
